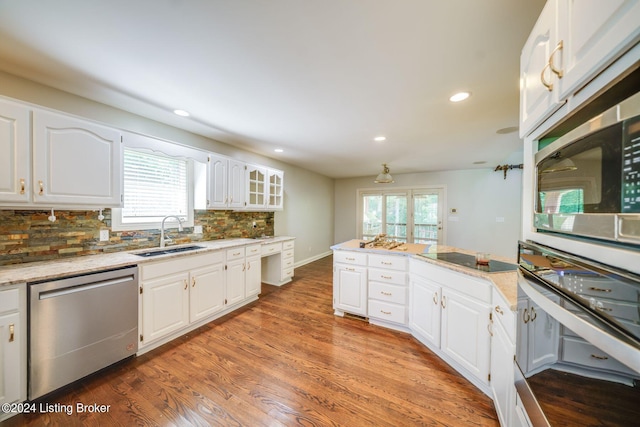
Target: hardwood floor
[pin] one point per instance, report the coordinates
(284, 360)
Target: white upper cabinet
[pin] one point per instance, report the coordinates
(572, 42)
(276, 194)
(15, 179)
(256, 187)
(593, 33)
(226, 183)
(538, 99)
(75, 162)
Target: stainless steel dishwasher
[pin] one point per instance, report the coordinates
(79, 325)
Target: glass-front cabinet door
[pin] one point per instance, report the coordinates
(256, 186)
(275, 178)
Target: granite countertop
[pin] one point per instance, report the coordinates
(505, 282)
(47, 270)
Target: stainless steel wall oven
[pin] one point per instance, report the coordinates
(578, 346)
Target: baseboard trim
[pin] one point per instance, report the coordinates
(312, 259)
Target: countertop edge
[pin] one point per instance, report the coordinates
(49, 270)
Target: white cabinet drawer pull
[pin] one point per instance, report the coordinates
(388, 313)
(386, 263)
(350, 259)
(599, 289)
(386, 277)
(385, 293)
(349, 269)
(595, 356)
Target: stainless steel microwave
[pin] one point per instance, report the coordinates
(588, 181)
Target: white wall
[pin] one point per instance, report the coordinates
(479, 195)
(308, 196)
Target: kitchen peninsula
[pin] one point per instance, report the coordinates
(461, 312)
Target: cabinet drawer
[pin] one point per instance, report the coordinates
(287, 253)
(287, 273)
(287, 245)
(287, 263)
(585, 354)
(355, 258)
(388, 262)
(388, 276)
(387, 311)
(235, 253)
(253, 250)
(503, 314)
(271, 248)
(9, 300)
(389, 293)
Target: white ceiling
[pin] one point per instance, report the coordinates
(317, 78)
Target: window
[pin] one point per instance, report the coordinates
(411, 215)
(155, 185)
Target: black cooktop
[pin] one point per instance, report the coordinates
(469, 261)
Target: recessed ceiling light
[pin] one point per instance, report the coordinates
(279, 150)
(380, 138)
(181, 113)
(460, 96)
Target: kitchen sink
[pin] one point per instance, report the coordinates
(157, 252)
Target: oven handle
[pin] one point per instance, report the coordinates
(531, 405)
(54, 293)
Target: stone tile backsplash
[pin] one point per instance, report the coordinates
(27, 236)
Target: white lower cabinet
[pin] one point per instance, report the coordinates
(538, 336)
(253, 274)
(185, 292)
(387, 290)
(424, 312)
(206, 296)
(502, 360)
(13, 356)
(465, 336)
(350, 283)
(449, 312)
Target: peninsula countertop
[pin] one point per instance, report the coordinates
(505, 282)
(54, 269)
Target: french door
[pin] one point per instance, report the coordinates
(411, 215)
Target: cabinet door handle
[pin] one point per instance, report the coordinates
(244, 266)
(12, 329)
(552, 67)
(435, 298)
(249, 266)
(443, 302)
(193, 282)
(41, 185)
(22, 182)
(533, 314)
(599, 289)
(499, 310)
(186, 284)
(525, 316)
(549, 86)
(490, 328)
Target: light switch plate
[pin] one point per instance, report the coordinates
(104, 235)
(197, 229)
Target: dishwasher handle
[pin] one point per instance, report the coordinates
(80, 288)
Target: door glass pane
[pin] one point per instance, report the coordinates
(396, 219)
(425, 218)
(372, 216)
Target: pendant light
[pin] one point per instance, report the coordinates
(384, 177)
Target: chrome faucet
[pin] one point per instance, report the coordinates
(162, 240)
